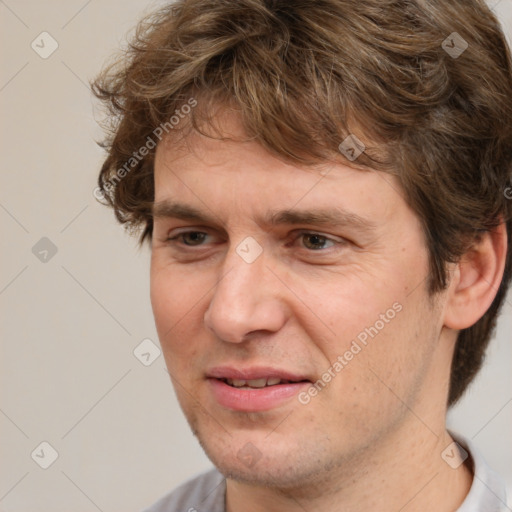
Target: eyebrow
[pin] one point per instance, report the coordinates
(317, 216)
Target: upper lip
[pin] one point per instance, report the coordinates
(254, 372)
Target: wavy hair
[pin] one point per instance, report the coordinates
(305, 74)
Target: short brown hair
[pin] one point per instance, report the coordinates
(303, 75)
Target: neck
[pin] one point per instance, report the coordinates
(406, 474)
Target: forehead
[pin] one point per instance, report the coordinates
(200, 132)
(224, 169)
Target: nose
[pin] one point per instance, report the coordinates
(247, 301)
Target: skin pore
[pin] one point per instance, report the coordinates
(372, 437)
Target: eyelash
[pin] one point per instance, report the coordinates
(174, 240)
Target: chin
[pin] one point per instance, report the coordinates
(253, 459)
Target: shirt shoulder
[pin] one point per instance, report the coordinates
(487, 492)
(203, 493)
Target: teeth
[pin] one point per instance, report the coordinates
(257, 383)
(254, 383)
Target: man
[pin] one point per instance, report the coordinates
(324, 187)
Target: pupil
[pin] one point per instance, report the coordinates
(194, 238)
(314, 241)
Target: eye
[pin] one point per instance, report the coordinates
(310, 241)
(190, 238)
(315, 241)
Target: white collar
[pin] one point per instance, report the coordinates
(487, 492)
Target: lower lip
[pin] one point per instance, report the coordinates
(254, 400)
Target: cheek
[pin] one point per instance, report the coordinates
(348, 311)
(171, 299)
(165, 302)
(396, 360)
(383, 338)
(178, 304)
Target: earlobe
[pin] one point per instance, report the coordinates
(476, 279)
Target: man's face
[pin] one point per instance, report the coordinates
(284, 272)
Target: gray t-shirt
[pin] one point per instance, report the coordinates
(207, 492)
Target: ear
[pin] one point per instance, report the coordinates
(476, 279)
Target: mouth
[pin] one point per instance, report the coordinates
(258, 383)
(254, 389)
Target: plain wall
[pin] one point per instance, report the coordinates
(70, 324)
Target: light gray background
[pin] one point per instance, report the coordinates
(70, 325)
